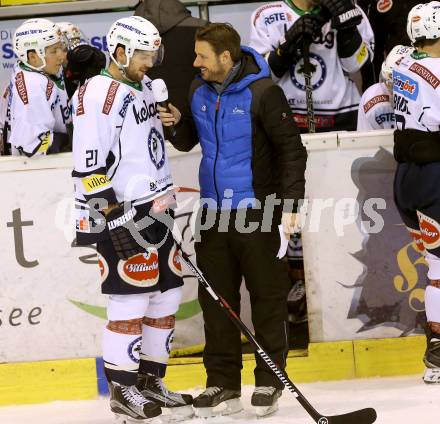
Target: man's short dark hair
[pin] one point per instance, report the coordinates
(221, 37)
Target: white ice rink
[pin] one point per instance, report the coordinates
(399, 400)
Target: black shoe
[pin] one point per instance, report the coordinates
(228, 401)
(153, 388)
(265, 395)
(127, 401)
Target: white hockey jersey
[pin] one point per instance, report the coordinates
(376, 109)
(118, 145)
(416, 93)
(38, 109)
(335, 95)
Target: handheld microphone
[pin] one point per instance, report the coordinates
(160, 93)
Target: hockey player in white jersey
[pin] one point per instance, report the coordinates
(121, 168)
(376, 110)
(342, 44)
(39, 111)
(416, 95)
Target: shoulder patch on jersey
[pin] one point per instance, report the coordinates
(382, 98)
(111, 94)
(263, 8)
(49, 89)
(21, 87)
(81, 92)
(426, 74)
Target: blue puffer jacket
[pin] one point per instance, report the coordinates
(224, 127)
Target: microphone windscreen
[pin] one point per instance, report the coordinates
(160, 90)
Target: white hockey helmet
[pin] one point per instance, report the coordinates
(424, 22)
(71, 34)
(393, 58)
(35, 34)
(134, 33)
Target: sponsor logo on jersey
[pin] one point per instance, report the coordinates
(362, 54)
(277, 17)
(156, 148)
(321, 121)
(174, 262)
(405, 85)
(141, 270)
(103, 267)
(95, 182)
(383, 98)
(417, 237)
(263, 8)
(134, 348)
(127, 100)
(400, 104)
(430, 230)
(81, 92)
(110, 98)
(426, 74)
(385, 117)
(45, 139)
(20, 84)
(147, 111)
(49, 89)
(384, 6)
(319, 72)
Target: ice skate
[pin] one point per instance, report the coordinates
(432, 362)
(217, 401)
(178, 405)
(265, 400)
(130, 406)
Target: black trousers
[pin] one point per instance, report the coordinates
(224, 258)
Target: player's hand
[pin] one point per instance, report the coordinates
(169, 117)
(290, 224)
(307, 26)
(344, 13)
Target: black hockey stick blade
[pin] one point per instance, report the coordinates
(362, 416)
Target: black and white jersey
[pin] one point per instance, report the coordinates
(334, 93)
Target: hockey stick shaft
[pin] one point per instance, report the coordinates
(308, 85)
(365, 416)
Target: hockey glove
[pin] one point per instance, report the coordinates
(84, 62)
(306, 27)
(344, 13)
(119, 224)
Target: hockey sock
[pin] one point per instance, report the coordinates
(157, 337)
(121, 345)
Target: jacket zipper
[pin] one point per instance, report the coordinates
(217, 107)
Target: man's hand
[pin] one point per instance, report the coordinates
(290, 224)
(169, 117)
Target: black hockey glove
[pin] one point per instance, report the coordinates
(306, 27)
(344, 13)
(84, 62)
(119, 224)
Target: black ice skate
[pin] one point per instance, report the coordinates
(265, 400)
(217, 401)
(432, 362)
(129, 406)
(178, 404)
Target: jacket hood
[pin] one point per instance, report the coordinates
(253, 67)
(163, 14)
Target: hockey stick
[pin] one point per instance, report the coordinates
(308, 84)
(362, 416)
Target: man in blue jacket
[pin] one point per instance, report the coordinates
(252, 160)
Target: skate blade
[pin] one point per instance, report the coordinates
(265, 411)
(432, 376)
(124, 419)
(179, 413)
(228, 407)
